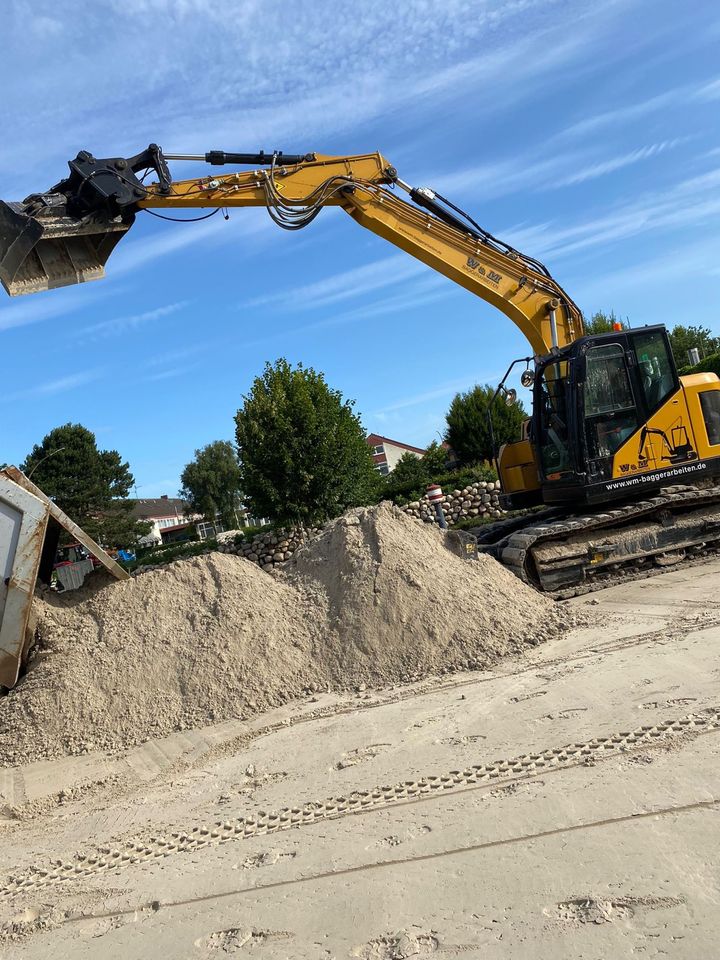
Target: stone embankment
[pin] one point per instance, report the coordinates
(481, 500)
(266, 549)
(274, 547)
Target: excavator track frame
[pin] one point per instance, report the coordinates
(568, 555)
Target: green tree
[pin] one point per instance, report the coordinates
(683, 338)
(604, 322)
(303, 453)
(88, 484)
(413, 469)
(468, 429)
(435, 459)
(409, 469)
(211, 482)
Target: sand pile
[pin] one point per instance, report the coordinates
(202, 640)
(376, 598)
(400, 604)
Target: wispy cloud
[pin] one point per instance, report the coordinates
(611, 164)
(119, 325)
(340, 78)
(524, 174)
(170, 373)
(628, 112)
(710, 91)
(343, 286)
(46, 306)
(447, 389)
(624, 113)
(50, 388)
(689, 202)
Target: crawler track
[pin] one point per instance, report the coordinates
(570, 555)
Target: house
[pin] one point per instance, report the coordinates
(171, 520)
(387, 452)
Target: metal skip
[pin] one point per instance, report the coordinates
(30, 524)
(42, 248)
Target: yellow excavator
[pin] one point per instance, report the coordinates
(621, 451)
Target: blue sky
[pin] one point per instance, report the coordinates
(587, 134)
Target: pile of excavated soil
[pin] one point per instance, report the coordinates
(376, 598)
(401, 605)
(199, 641)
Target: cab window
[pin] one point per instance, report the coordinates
(655, 368)
(607, 385)
(610, 412)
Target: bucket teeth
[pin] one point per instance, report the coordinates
(52, 250)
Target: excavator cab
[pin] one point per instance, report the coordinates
(610, 414)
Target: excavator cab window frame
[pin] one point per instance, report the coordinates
(604, 429)
(656, 377)
(554, 423)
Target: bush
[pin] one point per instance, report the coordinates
(709, 364)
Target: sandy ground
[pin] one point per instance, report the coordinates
(581, 819)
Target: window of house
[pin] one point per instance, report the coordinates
(379, 449)
(383, 469)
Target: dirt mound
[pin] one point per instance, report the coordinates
(200, 641)
(401, 605)
(376, 598)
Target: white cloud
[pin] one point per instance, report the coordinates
(323, 80)
(37, 307)
(689, 202)
(563, 168)
(50, 388)
(122, 324)
(710, 91)
(352, 283)
(611, 164)
(447, 389)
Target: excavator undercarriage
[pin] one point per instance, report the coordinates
(570, 554)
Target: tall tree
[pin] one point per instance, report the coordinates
(468, 427)
(211, 482)
(601, 322)
(89, 484)
(683, 338)
(303, 453)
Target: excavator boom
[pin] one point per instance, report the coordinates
(66, 235)
(612, 421)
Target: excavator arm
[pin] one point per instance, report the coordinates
(66, 235)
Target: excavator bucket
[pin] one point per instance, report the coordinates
(42, 248)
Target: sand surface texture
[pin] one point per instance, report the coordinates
(561, 804)
(376, 599)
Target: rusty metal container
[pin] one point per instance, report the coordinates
(30, 526)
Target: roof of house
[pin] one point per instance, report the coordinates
(374, 440)
(156, 508)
